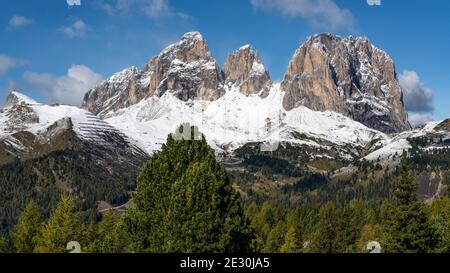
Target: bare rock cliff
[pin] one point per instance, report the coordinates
(348, 76)
(327, 73)
(186, 69)
(244, 69)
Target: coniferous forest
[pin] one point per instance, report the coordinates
(186, 201)
(216, 136)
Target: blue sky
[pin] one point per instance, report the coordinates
(53, 51)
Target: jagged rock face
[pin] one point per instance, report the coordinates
(244, 69)
(114, 93)
(16, 112)
(186, 69)
(20, 116)
(12, 100)
(348, 76)
(29, 129)
(15, 98)
(344, 75)
(444, 126)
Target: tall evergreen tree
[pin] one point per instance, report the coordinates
(185, 202)
(325, 237)
(3, 245)
(292, 241)
(369, 233)
(275, 237)
(63, 227)
(110, 237)
(440, 220)
(405, 186)
(347, 231)
(407, 229)
(204, 213)
(27, 231)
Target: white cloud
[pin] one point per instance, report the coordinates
(19, 21)
(71, 3)
(154, 9)
(417, 97)
(374, 2)
(106, 7)
(319, 13)
(151, 8)
(77, 30)
(67, 89)
(417, 120)
(157, 8)
(7, 63)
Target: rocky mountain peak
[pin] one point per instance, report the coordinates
(186, 69)
(192, 47)
(444, 125)
(327, 73)
(243, 68)
(17, 112)
(348, 76)
(111, 93)
(15, 98)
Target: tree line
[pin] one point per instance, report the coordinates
(185, 202)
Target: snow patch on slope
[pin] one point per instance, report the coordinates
(236, 119)
(258, 68)
(400, 142)
(395, 146)
(428, 128)
(58, 118)
(23, 98)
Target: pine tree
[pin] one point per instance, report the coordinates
(347, 231)
(109, 237)
(3, 245)
(63, 227)
(91, 232)
(27, 231)
(407, 229)
(185, 202)
(405, 187)
(369, 233)
(204, 212)
(326, 231)
(442, 228)
(292, 241)
(440, 219)
(275, 238)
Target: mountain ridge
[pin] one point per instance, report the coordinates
(29, 129)
(360, 83)
(246, 107)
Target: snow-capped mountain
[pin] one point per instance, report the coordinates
(243, 69)
(29, 129)
(240, 104)
(434, 135)
(327, 73)
(236, 119)
(186, 69)
(337, 100)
